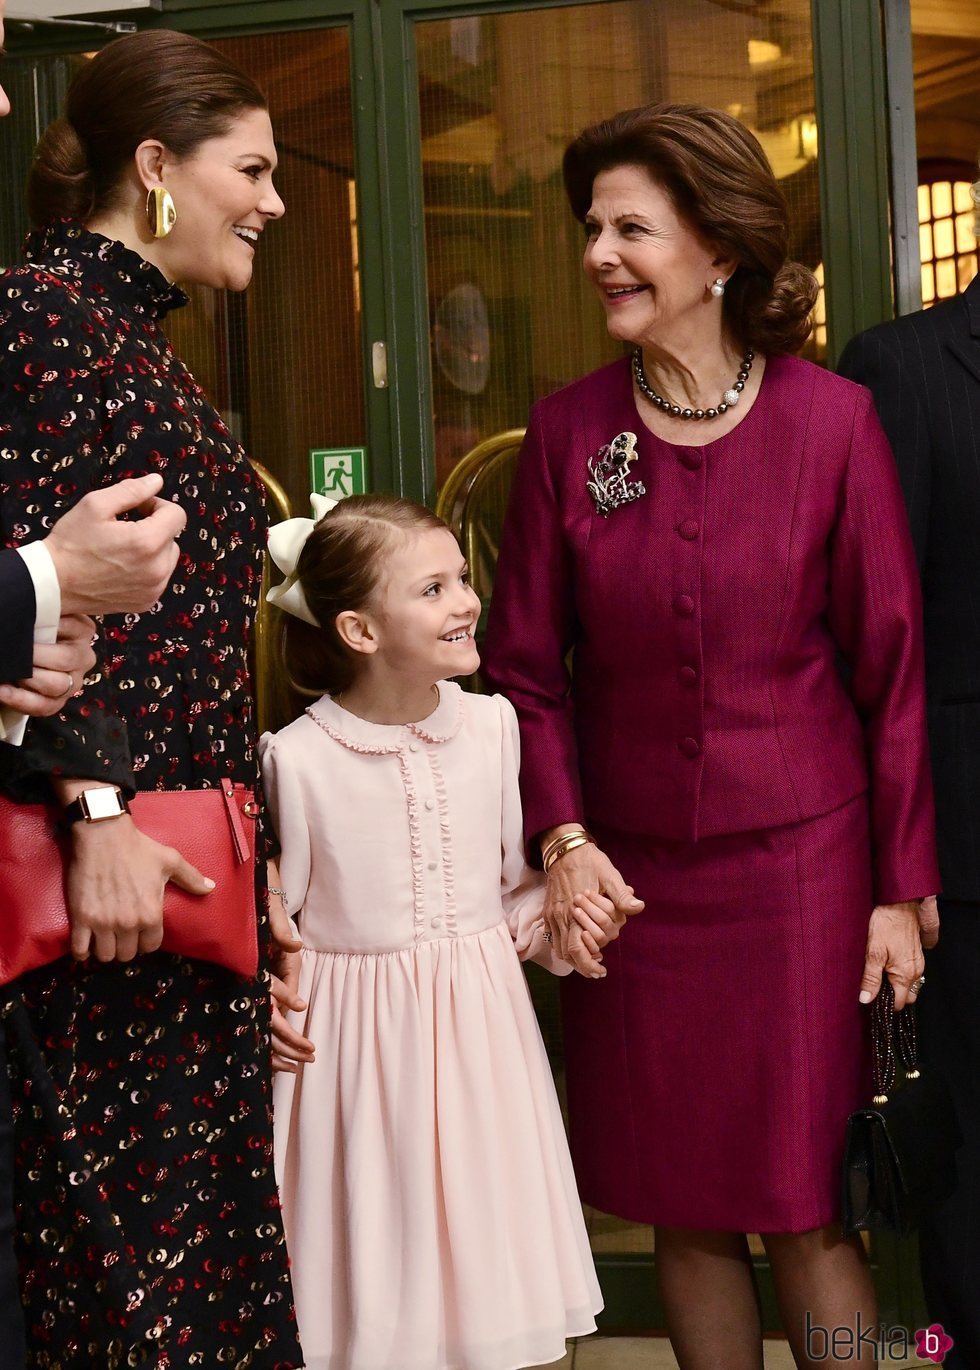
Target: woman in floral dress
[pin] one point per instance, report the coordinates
(149, 1230)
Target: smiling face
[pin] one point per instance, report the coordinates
(224, 197)
(426, 611)
(651, 271)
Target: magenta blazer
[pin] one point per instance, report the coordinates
(746, 634)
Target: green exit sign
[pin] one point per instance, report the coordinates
(337, 471)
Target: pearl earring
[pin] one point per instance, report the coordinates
(717, 287)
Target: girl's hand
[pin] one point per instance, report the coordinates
(598, 918)
(289, 1047)
(585, 871)
(116, 879)
(281, 926)
(894, 949)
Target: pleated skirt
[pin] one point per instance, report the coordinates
(710, 1075)
(428, 1194)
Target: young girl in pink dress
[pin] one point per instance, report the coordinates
(430, 1205)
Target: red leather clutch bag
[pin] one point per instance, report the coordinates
(213, 829)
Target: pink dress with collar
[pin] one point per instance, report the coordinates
(430, 1206)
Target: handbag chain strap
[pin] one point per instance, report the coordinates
(893, 1040)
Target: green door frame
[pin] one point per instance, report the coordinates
(245, 18)
(853, 118)
(235, 18)
(852, 115)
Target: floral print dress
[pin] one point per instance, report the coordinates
(149, 1231)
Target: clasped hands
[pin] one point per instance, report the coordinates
(586, 906)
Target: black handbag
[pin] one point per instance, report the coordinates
(900, 1154)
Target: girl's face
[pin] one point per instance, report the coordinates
(649, 269)
(427, 611)
(224, 197)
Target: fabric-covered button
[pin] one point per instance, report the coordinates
(689, 529)
(690, 747)
(437, 922)
(430, 803)
(413, 746)
(691, 459)
(683, 605)
(433, 865)
(688, 675)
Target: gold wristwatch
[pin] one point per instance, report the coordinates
(96, 805)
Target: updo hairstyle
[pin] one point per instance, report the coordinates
(340, 568)
(156, 84)
(720, 182)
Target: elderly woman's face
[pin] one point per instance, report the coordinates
(650, 270)
(224, 197)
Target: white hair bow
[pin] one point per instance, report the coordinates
(286, 541)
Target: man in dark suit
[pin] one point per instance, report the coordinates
(924, 373)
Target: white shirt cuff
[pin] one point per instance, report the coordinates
(47, 591)
(47, 598)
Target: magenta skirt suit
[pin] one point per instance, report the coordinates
(743, 729)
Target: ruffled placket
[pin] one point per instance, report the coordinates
(417, 747)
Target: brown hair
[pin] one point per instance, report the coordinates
(156, 84)
(720, 182)
(339, 569)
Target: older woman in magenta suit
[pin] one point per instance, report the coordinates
(710, 525)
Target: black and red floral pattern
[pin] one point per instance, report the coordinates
(149, 1226)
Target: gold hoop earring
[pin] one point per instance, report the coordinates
(161, 212)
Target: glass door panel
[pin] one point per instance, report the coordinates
(283, 360)
(499, 98)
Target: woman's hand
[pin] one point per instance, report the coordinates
(894, 949)
(116, 879)
(575, 879)
(929, 921)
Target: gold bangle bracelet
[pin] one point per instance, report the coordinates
(573, 842)
(556, 842)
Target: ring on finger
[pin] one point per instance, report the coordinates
(916, 986)
(70, 687)
(549, 937)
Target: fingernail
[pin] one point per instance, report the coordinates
(598, 975)
(865, 996)
(209, 882)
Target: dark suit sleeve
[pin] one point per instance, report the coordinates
(875, 359)
(875, 614)
(53, 418)
(17, 609)
(532, 626)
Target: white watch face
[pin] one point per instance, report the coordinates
(105, 803)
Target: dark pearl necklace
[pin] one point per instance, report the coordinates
(728, 399)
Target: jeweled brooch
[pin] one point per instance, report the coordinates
(610, 486)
